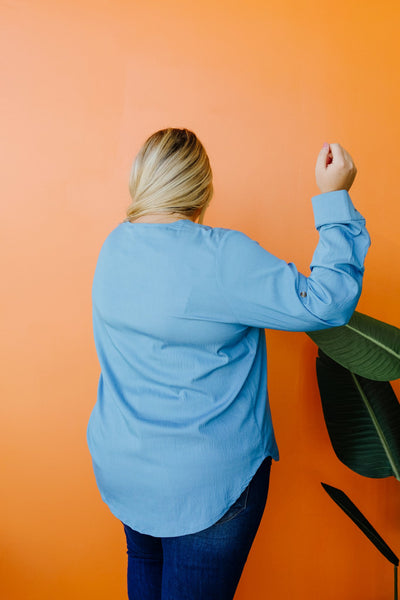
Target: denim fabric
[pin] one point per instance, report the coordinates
(206, 565)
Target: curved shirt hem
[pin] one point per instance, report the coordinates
(176, 532)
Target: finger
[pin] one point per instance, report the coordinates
(337, 153)
(348, 158)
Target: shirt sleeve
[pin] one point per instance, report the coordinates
(265, 291)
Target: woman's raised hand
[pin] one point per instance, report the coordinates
(335, 169)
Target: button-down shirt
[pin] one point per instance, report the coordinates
(182, 419)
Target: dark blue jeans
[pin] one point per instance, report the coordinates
(206, 565)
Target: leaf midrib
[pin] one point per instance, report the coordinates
(377, 427)
(375, 341)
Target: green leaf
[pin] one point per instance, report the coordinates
(365, 346)
(358, 518)
(363, 419)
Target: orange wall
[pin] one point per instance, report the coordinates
(263, 84)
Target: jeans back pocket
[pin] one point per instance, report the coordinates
(236, 507)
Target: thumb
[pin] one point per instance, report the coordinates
(323, 156)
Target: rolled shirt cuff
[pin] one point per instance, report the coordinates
(334, 207)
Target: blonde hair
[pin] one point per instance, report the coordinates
(170, 174)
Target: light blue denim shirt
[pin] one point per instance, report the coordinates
(182, 419)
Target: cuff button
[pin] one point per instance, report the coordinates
(303, 294)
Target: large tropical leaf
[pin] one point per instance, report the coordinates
(363, 419)
(358, 518)
(365, 346)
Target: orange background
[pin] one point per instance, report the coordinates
(263, 84)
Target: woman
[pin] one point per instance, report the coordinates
(181, 435)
